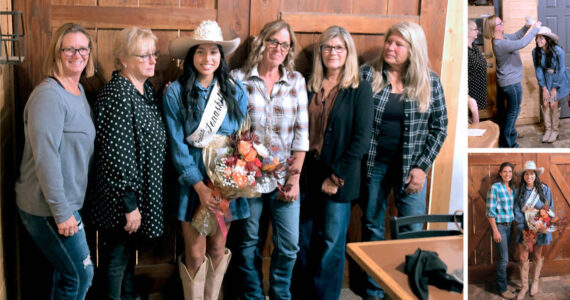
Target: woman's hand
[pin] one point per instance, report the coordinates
(553, 95)
(133, 221)
(328, 187)
(497, 237)
(207, 198)
(538, 24)
(545, 96)
(291, 192)
(68, 227)
(415, 181)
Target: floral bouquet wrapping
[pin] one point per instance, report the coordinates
(540, 221)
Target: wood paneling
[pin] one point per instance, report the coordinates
(483, 168)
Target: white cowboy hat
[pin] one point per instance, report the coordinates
(547, 32)
(208, 32)
(530, 166)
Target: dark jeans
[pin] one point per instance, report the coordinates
(319, 271)
(503, 256)
(69, 256)
(385, 178)
(509, 100)
(117, 265)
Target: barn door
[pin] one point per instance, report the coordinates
(482, 170)
(556, 15)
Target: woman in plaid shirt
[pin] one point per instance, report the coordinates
(500, 201)
(410, 124)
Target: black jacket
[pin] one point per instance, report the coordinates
(345, 142)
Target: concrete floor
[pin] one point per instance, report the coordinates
(551, 288)
(530, 136)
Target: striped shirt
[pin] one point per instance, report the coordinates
(423, 133)
(280, 120)
(500, 203)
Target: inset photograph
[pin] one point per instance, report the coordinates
(518, 211)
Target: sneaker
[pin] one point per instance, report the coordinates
(508, 295)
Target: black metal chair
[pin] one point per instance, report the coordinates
(397, 222)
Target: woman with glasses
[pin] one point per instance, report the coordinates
(509, 73)
(499, 211)
(340, 124)
(59, 135)
(126, 203)
(204, 101)
(277, 98)
(410, 125)
(476, 74)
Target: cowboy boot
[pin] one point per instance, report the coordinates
(215, 277)
(523, 268)
(536, 276)
(555, 124)
(193, 287)
(547, 124)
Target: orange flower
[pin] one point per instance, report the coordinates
(241, 163)
(250, 156)
(244, 147)
(240, 179)
(271, 166)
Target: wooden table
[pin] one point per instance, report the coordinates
(385, 260)
(490, 139)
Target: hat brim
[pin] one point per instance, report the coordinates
(551, 35)
(179, 47)
(539, 171)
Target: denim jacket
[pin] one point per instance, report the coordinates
(558, 77)
(519, 215)
(188, 159)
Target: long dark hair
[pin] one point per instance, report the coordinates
(537, 185)
(549, 51)
(500, 179)
(222, 74)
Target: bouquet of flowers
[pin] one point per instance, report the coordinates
(236, 166)
(541, 221)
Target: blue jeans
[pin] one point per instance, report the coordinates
(385, 178)
(285, 223)
(508, 112)
(503, 256)
(117, 265)
(69, 256)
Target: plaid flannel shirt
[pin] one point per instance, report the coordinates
(500, 203)
(424, 133)
(280, 120)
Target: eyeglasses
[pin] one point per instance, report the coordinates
(501, 23)
(329, 49)
(146, 57)
(273, 44)
(71, 51)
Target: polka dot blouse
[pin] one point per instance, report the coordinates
(477, 77)
(129, 165)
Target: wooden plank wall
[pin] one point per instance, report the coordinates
(514, 12)
(7, 144)
(482, 169)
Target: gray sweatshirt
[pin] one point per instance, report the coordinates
(59, 135)
(509, 64)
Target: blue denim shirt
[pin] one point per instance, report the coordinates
(188, 159)
(559, 79)
(544, 238)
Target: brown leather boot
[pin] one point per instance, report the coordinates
(555, 124)
(547, 124)
(523, 269)
(508, 295)
(536, 276)
(193, 287)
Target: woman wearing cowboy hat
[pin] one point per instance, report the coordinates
(553, 78)
(193, 103)
(531, 194)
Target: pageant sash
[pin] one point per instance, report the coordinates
(531, 201)
(212, 119)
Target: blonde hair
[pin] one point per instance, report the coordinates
(52, 64)
(349, 76)
(258, 46)
(131, 41)
(416, 79)
(489, 26)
